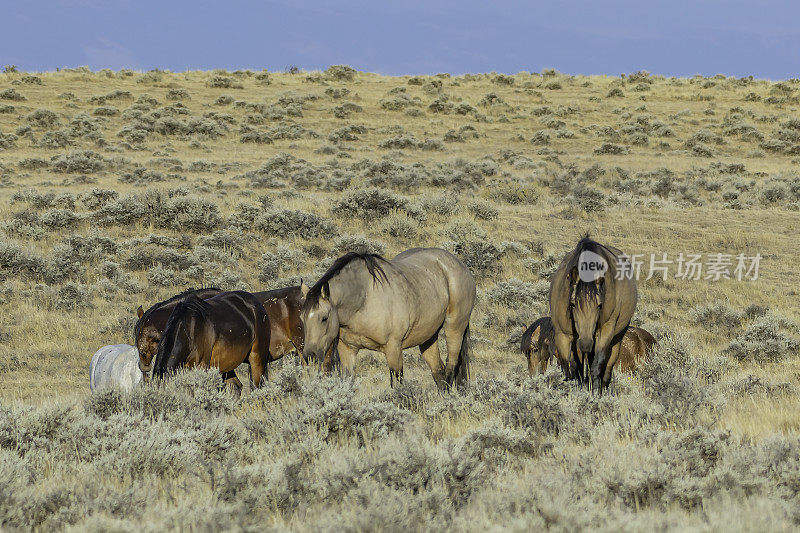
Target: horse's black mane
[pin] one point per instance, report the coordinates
(137, 329)
(584, 290)
(587, 244)
(191, 305)
(588, 291)
(370, 260)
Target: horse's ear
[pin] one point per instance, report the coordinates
(140, 312)
(304, 288)
(325, 292)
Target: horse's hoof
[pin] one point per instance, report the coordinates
(449, 377)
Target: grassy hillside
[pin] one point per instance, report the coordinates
(122, 188)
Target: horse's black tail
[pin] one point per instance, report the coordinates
(461, 374)
(174, 346)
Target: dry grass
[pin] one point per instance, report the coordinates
(250, 181)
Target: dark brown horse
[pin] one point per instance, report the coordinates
(282, 306)
(149, 328)
(636, 346)
(592, 299)
(222, 332)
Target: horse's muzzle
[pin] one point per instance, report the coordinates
(585, 344)
(312, 358)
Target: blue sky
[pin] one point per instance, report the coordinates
(758, 37)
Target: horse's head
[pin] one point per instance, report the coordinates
(586, 302)
(147, 340)
(320, 323)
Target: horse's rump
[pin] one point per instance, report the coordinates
(151, 324)
(634, 349)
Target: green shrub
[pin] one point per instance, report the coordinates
(86, 161)
(43, 119)
(612, 149)
(12, 94)
(294, 223)
(483, 210)
(768, 338)
(7, 141)
(223, 82)
(369, 203)
(717, 316)
(341, 73)
(357, 243)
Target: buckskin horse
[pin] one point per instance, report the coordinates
(591, 316)
(366, 301)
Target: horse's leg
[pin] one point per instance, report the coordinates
(542, 355)
(430, 352)
(532, 352)
(260, 355)
(602, 353)
(347, 358)
(259, 358)
(612, 360)
(394, 356)
(533, 361)
(453, 336)
(232, 383)
(258, 367)
(329, 360)
(564, 353)
(582, 362)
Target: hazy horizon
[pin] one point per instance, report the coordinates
(575, 37)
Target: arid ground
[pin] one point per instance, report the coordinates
(119, 189)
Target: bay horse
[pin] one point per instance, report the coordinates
(366, 301)
(282, 306)
(590, 317)
(221, 332)
(151, 323)
(286, 329)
